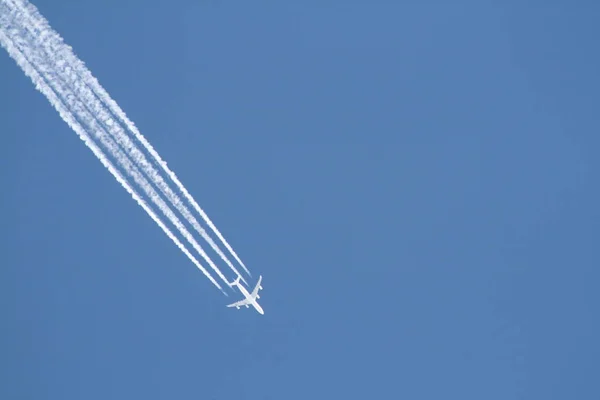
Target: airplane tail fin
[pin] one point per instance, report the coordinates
(236, 282)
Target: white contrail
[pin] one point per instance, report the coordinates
(42, 25)
(7, 42)
(107, 122)
(110, 145)
(86, 85)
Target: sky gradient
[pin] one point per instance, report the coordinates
(417, 184)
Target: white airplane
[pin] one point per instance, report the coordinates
(250, 299)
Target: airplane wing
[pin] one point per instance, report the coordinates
(239, 303)
(254, 293)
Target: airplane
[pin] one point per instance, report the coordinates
(250, 299)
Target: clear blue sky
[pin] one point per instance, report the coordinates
(417, 184)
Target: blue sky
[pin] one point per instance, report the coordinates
(417, 184)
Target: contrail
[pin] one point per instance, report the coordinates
(87, 85)
(113, 148)
(31, 71)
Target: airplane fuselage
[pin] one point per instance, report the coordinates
(249, 298)
(252, 301)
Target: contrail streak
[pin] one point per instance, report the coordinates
(109, 144)
(29, 63)
(55, 46)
